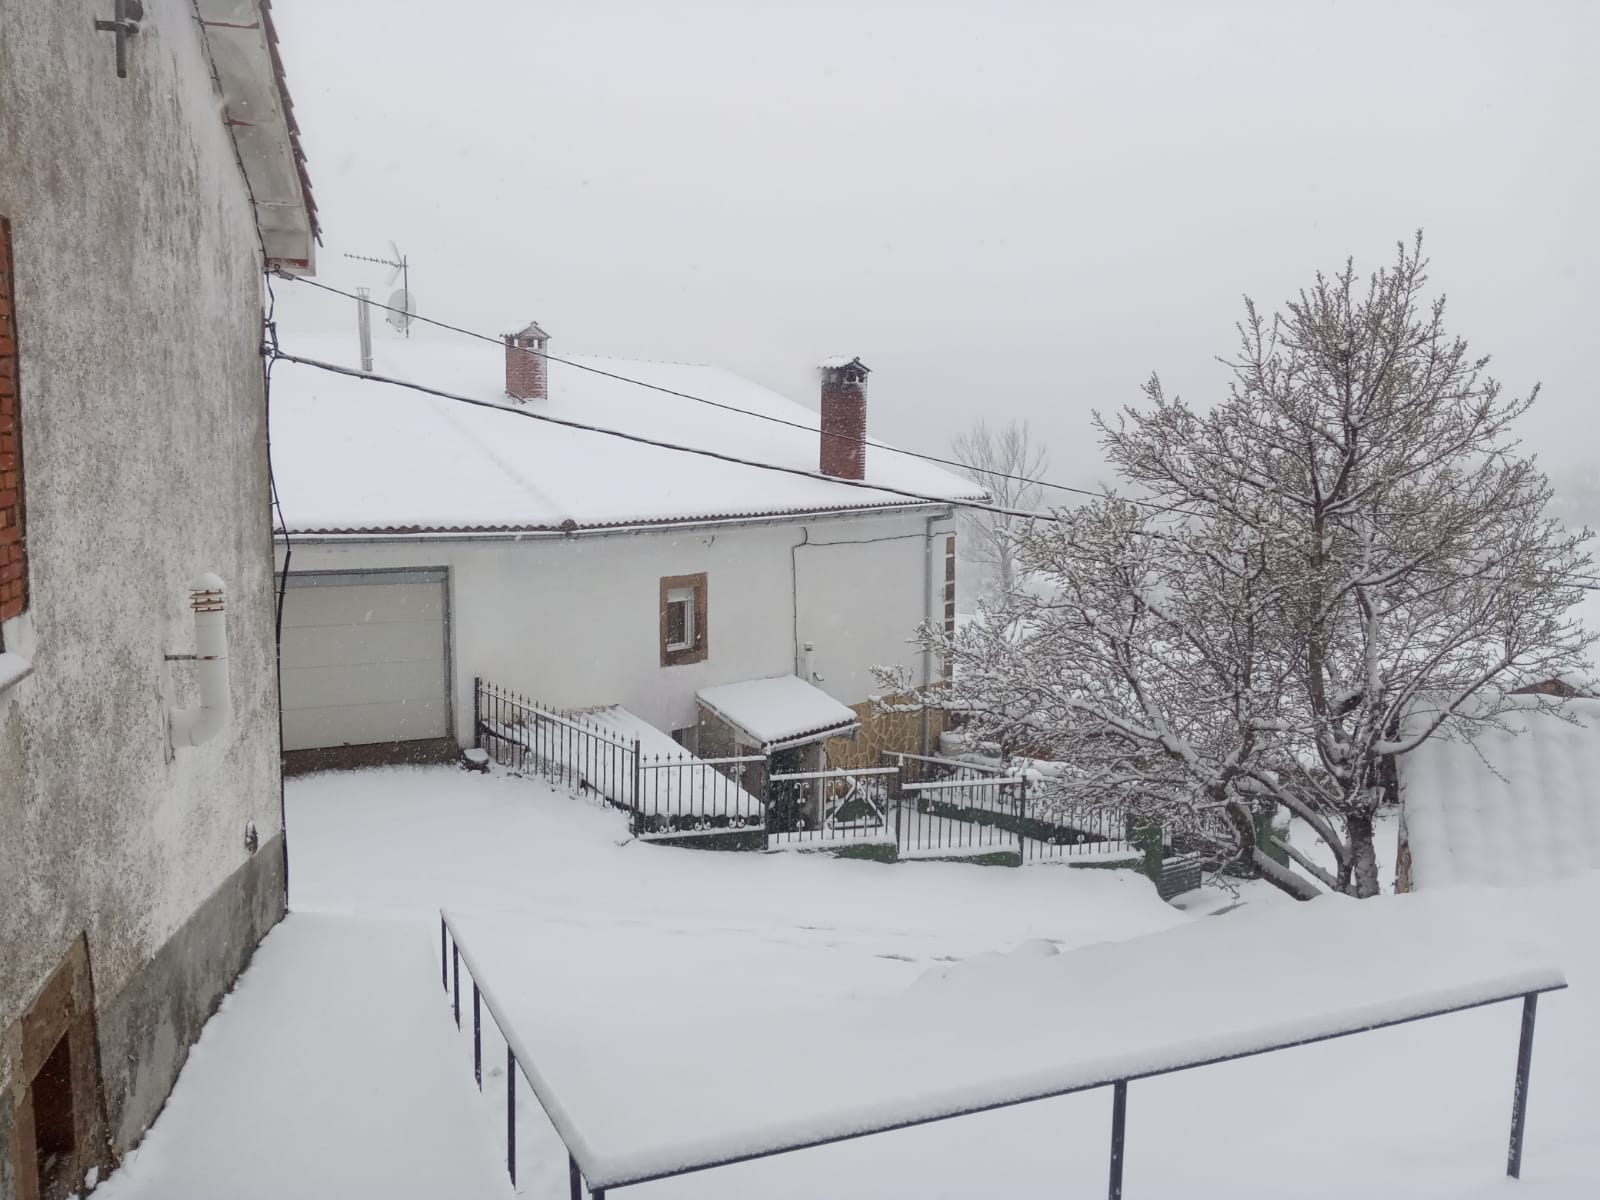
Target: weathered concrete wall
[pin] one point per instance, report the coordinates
(576, 621)
(138, 308)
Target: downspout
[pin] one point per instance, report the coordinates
(794, 596)
(197, 726)
(927, 621)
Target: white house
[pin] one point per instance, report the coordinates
(431, 542)
(146, 179)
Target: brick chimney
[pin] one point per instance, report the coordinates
(844, 418)
(526, 378)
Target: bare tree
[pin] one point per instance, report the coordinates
(1341, 559)
(1009, 464)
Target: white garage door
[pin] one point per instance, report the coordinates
(364, 658)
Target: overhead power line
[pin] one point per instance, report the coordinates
(733, 408)
(1588, 584)
(275, 354)
(703, 452)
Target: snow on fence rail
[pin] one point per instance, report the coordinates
(610, 752)
(926, 806)
(1096, 1017)
(951, 804)
(810, 808)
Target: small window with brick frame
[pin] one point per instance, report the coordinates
(13, 541)
(684, 619)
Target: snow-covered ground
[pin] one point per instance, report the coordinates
(334, 1069)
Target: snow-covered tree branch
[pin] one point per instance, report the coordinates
(1341, 558)
(1009, 463)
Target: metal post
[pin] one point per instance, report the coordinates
(477, 1037)
(455, 957)
(444, 954)
(1119, 1121)
(511, 1115)
(477, 712)
(1519, 1098)
(574, 1185)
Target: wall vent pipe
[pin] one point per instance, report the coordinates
(197, 726)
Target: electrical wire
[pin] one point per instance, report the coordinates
(733, 408)
(546, 418)
(275, 353)
(270, 333)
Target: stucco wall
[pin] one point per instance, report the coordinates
(138, 302)
(574, 621)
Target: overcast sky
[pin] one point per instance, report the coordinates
(1006, 209)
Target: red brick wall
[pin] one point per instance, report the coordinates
(13, 548)
(844, 423)
(525, 373)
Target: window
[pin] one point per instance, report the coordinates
(683, 619)
(13, 531)
(680, 619)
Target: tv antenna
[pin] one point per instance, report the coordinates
(402, 305)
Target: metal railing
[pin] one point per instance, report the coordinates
(452, 956)
(952, 806)
(681, 794)
(565, 748)
(925, 805)
(665, 794)
(840, 805)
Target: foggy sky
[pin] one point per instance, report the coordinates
(1006, 209)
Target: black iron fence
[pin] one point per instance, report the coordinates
(680, 794)
(950, 806)
(842, 805)
(601, 752)
(924, 806)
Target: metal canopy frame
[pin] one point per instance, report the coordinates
(451, 955)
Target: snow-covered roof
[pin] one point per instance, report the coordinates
(781, 710)
(999, 1029)
(352, 455)
(243, 44)
(1510, 808)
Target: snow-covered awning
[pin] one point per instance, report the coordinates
(778, 712)
(1087, 1018)
(256, 107)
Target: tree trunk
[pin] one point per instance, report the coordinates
(1363, 856)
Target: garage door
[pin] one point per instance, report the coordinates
(364, 658)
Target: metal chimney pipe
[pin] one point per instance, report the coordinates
(364, 311)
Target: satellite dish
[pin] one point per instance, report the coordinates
(402, 307)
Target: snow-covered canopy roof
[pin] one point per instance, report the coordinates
(355, 456)
(782, 711)
(1511, 808)
(243, 45)
(996, 1029)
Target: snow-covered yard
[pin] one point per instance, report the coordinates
(334, 1069)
